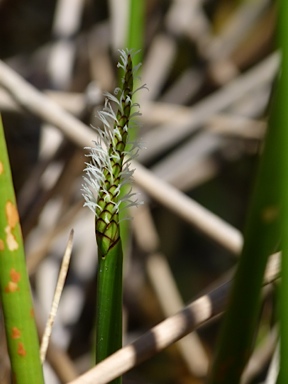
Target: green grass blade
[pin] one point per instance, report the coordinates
(21, 333)
(135, 39)
(281, 120)
(261, 237)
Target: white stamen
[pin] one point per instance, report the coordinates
(103, 155)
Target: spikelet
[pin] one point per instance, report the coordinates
(109, 166)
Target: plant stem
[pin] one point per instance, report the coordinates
(135, 42)
(109, 303)
(261, 237)
(135, 39)
(107, 173)
(281, 120)
(21, 333)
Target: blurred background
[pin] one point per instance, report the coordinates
(209, 67)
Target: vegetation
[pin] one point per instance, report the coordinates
(213, 131)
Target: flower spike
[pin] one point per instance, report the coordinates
(107, 171)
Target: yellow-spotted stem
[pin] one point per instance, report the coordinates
(15, 294)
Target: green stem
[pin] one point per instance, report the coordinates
(21, 333)
(282, 122)
(261, 237)
(109, 303)
(135, 39)
(106, 175)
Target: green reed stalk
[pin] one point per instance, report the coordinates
(106, 174)
(135, 42)
(261, 238)
(135, 38)
(281, 120)
(16, 299)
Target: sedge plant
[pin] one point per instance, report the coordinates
(267, 218)
(106, 173)
(15, 293)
